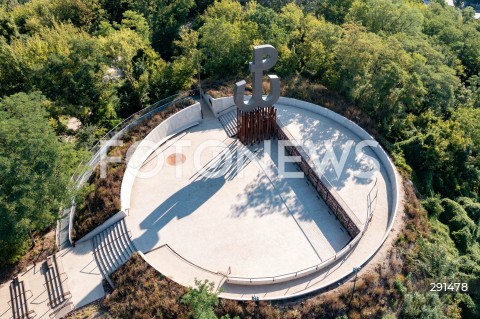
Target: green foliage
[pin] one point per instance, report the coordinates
(225, 38)
(35, 170)
(434, 206)
(8, 28)
(332, 10)
(166, 20)
(451, 210)
(137, 23)
(202, 299)
(463, 238)
(423, 306)
(34, 15)
(386, 16)
(473, 210)
(67, 77)
(12, 70)
(436, 259)
(469, 308)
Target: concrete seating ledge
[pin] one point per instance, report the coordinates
(360, 132)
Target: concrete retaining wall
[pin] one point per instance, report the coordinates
(109, 222)
(175, 124)
(218, 105)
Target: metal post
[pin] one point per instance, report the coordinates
(355, 270)
(256, 300)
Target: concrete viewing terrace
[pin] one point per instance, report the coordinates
(250, 221)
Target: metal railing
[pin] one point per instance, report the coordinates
(85, 169)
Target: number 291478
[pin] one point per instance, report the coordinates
(445, 286)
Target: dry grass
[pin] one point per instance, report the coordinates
(95, 310)
(44, 247)
(142, 292)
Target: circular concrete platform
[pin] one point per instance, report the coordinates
(222, 211)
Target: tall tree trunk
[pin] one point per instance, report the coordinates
(32, 238)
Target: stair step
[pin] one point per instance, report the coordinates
(122, 243)
(99, 260)
(105, 254)
(111, 247)
(119, 244)
(127, 238)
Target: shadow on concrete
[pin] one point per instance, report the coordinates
(271, 193)
(208, 181)
(323, 132)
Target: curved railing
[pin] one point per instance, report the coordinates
(85, 169)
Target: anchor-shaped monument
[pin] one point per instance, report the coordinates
(256, 118)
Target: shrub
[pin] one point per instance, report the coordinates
(461, 221)
(463, 239)
(470, 264)
(434, 207)
(464, 201)
(142, 292)
(473, 210)
(420, 306)
(201, 299)
(451, 209)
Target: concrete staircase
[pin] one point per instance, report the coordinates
(112, 248)
(229, 122)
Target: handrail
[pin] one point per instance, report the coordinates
(84, 169)
(182, 258)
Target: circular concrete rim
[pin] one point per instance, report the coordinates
(386, 161)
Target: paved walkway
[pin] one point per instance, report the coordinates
(82, 279)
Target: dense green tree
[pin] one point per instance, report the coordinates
(166, 21)
(434, 206)
(72, 78)
(202, 299)
(332, 10)
(36, 14)
(8, 28)
(226, 38)
(35, 170)
(12, 70)
(186, 64)
(386, 16)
